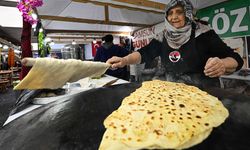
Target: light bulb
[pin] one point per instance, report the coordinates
(5, 47)
(41, 30)
(47, 39)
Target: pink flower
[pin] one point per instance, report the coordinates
(26, 8)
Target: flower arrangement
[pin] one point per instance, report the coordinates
(26, 7)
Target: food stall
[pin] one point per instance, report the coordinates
(65, 113)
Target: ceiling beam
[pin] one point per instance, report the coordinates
(8, 3)
(144, 3)
(90, 21)
(106, 11)
(90, 32)
(120, 6)
(7, 37)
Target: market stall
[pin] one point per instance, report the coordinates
(56, 114)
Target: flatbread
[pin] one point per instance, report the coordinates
(162, 115)
(50, 73)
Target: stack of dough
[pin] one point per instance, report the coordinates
(162, 115)
(49, 73)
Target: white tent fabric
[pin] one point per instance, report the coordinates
(68, 8)
(73, 14)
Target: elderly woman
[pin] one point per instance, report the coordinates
(190, 51)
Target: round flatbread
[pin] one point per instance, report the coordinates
(50, 73)
(163, 115)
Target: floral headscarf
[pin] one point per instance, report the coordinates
(177, 37)
(187, 5)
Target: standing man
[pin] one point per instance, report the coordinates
(108, 50)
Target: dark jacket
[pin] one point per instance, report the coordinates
(187, 63)
(105, 52)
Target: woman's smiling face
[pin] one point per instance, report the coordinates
(176, 16)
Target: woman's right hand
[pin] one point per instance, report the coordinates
(117, 62)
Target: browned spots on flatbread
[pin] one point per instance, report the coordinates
(132, 103)
(158, 132)
(199, 117)
(169, 115)
(182, 105)
(150, 112)
(124, 130)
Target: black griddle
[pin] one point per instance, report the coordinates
(76, 122)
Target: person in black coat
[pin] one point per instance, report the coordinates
(108, 50)
(190, 51)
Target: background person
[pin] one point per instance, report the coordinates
(190, 51)
(108, 50)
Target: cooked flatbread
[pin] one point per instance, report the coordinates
(162, 115)
(49, 73)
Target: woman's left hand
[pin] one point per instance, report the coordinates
(214, 67)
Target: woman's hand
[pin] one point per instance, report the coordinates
(214, 67)
(117, 62)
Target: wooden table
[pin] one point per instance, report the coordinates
(5, 75)
(2, 72)
(3, 85)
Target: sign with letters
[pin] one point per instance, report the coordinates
(228, 19)
(144, 36)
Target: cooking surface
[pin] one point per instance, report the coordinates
(76, 122)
